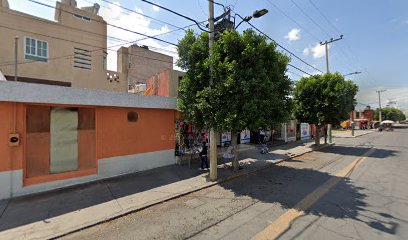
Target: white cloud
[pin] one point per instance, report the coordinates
(318, 51)
(135, 22)
(306, 51)
(293, 35)
(156, 9)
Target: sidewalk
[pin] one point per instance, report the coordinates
(347, 133)
(53, 214)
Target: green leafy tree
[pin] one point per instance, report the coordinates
(393, 114)
(249, 90)
(324, 99)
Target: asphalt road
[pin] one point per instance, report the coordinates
(346, 191)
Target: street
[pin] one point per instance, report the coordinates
(352, 190)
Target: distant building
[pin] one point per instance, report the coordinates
(70, 51)
(367, 114)
(139, 63)
(165, 83)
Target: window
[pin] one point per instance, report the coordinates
(83, 17)
(36, 50)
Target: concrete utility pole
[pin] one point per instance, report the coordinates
(213, 143)
(15, 57)
(326, 43)
(352, 113)
(379, 104)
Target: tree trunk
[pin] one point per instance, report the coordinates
(235, 162)
(317, 135)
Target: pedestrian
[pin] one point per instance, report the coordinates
(325, 134)
(203, 156)
(261, 136)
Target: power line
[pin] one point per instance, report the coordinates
(291, 53)
(103, 36)
(345, 41)
(311, 19)
(294, 73)
(98, 48)
(112, 25)
(299, 69)
(293, 20)
(144, 15)
(324, 16)
(176, 13)
(302, 27)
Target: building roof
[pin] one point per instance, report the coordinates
(39, 93)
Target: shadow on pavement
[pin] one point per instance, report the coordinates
(40, 207)
(286, 186)
(358, 151)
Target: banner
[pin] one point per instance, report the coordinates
(245, 136)
(304, 131)
(226, 139)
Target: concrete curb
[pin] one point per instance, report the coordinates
(183, 193)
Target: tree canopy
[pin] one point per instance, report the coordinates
(250, 88)
(393, 114)
(324, 99)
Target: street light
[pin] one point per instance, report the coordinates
(256, 14)
(348, 74)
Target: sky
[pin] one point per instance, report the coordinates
(375, 35)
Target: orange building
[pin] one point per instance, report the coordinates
(53, 137)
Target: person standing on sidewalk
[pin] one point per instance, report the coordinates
(203, 156)
(261, 136)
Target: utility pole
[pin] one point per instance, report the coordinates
(326, 43)
(213, 143)
(15, 57)
(379, 104)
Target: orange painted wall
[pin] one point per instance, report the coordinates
(163, 84)
(154, 131)
(115, 136)
(11, 158)
(159, 83)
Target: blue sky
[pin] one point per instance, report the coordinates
(375, 34)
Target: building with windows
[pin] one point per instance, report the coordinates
(70, 51)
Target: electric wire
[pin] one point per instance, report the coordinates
(285, 49)
(293, 20)
(109, 24)
(300, 70)
(153, 37)
(310, 18)
(98, 48)
(144, 15)
(176, 13)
